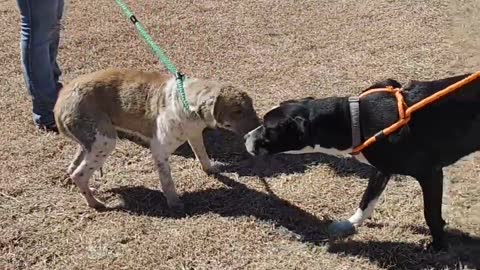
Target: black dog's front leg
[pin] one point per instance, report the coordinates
(432, 188)
(376, 185)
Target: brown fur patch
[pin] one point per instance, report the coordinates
(131, 99)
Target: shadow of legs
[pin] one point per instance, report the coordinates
(233, 200)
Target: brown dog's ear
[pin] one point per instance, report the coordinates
(206, 111)
(226, 95)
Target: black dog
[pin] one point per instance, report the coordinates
(437, 136)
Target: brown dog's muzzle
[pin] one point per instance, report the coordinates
(250, 125)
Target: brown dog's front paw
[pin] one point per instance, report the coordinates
(67, 180)
(211, 170)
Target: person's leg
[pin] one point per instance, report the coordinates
(54, 47)
(40, 26)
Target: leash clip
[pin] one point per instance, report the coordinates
(133, 19)
(179, 76)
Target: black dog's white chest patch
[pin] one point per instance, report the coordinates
(329, 151)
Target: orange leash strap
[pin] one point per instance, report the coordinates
(405, 112)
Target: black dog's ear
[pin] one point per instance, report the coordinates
(296, 100)
(383, 84)
(305, 99)
(287, 101)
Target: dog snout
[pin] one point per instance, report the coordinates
(250, 143)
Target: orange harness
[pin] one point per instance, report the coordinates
(405, 112)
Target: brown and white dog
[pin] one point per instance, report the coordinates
(96, 108)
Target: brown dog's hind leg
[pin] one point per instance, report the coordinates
(77, 159)
(92, 161)
(97, 137)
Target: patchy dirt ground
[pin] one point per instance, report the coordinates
(268, 214)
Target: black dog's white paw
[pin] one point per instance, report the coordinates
(341, 228)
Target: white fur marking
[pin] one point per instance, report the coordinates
(330, 151)
(445, 196)
(249, 143)
(361, 158)
(250, 138)
(174, 121)
(170, 91)
(318, 149)
(361, 215)
(160, 153)
(274, 107)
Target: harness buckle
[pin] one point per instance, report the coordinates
(354, 99)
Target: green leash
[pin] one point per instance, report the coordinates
(180, 78)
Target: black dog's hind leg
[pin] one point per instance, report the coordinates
(376, 185)
(432, 189)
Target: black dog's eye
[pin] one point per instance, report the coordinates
(269, 136)
(263, 143)
(266, 133)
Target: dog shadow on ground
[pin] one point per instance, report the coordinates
(462, 254)
(228, 149)
(237, 200)
(231, 201)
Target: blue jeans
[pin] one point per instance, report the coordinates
(40, 35)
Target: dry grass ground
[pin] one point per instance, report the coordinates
(268, 214)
